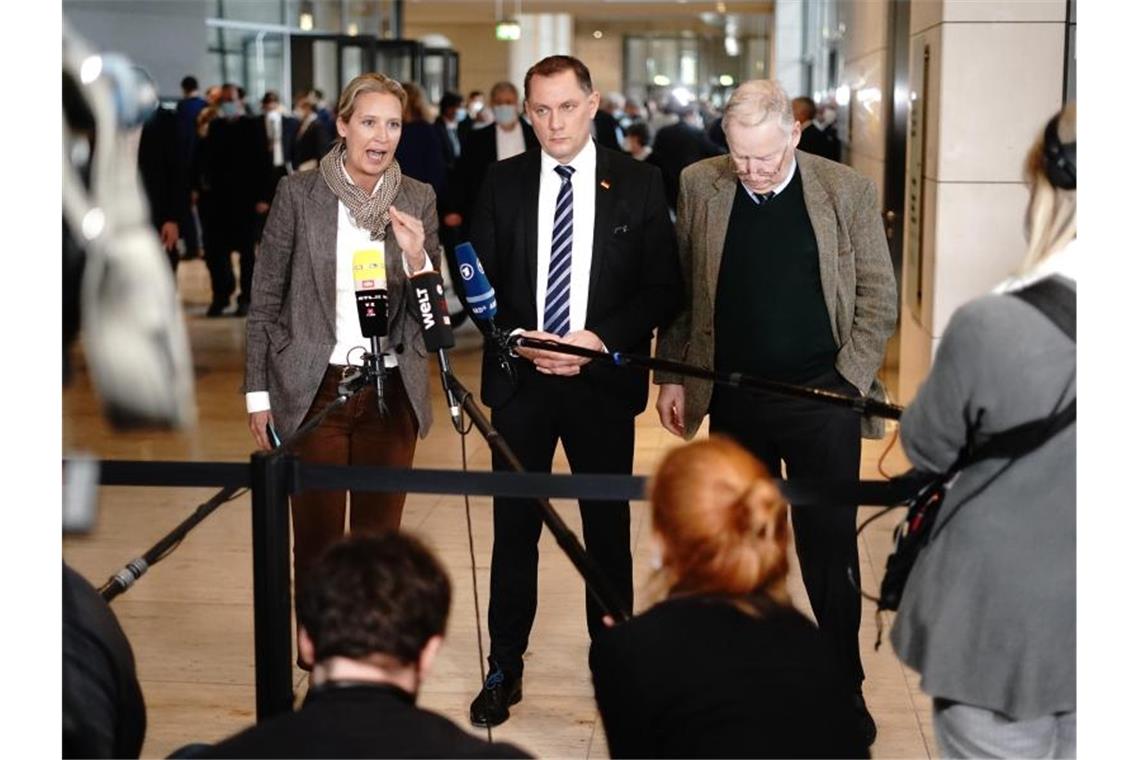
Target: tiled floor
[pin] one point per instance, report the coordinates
(190, 619)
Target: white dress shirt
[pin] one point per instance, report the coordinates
(350, 341)
(583, 180)
(273, 129)
(509, 143)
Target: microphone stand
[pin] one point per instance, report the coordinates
(596, 583)
(136, 568)
(864, 406)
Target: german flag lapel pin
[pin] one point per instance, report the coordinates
(605, 183)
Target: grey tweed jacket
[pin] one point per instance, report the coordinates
(291, 329)
(854, 264)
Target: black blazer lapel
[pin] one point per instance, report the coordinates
(321, 219)
(529, 190)
(605, 198)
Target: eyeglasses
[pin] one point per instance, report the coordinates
(771, 162)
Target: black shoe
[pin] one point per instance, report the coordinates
(864, 723)
(216, 309)
(241, 310)
(500, 691)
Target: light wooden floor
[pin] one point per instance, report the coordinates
(190, 619)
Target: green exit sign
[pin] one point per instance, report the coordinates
(508, 30)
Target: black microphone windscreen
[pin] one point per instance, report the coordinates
(430, 305)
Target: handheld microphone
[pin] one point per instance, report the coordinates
(431, 308)
(483, 305)
(480, 295)
(370, 282)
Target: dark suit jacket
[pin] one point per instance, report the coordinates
(479, 152)
(675, 147)
(358, 721)
(162, 170)
(606, 127)
(819, 143)
(635, 281)
(310, 144)
(421, 156)
(697, 677)
(291, 330)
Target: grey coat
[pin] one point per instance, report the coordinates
(291, 329)
(854, 263)
(989, 613)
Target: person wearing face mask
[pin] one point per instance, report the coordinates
(767, 686)
(509, 137)
(304, 335)
(368, 668)
(471, 114)
(788, 251)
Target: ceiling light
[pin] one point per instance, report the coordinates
(661, 80)
(597, 34)
(306, 22)
(726, 80)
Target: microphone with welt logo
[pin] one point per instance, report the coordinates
(430, 307)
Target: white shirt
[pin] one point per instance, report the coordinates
(582, 249)
(779, 188)
(350, 341)
(273, 130)
(509, 143)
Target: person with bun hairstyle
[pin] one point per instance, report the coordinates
(723, 665)
(989, 613)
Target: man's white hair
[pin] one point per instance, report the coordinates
(759, 101)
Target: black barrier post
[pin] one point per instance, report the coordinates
(270, 483)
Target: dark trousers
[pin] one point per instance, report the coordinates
(543, 411)
(225, 230)
(813, 440)
(354, 434)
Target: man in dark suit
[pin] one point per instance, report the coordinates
(576, 240)
(508, 137)
(679, 145)
(367, 668)
(280, 138)
(607, 128)
(236, 164)
(164, 179)
(813, 139)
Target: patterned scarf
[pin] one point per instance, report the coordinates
(368, 210)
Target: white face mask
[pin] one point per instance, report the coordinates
(460, 114)
(505, 115)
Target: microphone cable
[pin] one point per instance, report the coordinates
(463, 433)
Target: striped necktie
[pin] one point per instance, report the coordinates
(556, 315)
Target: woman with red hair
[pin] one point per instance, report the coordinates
(723, 665)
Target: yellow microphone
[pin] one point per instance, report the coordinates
(371, 285)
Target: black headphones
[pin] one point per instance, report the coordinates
(1060, 158)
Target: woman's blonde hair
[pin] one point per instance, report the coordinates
(1051, 216)
(366, 83)
(722, 521)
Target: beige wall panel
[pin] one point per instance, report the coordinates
(603, 57)
(924, 14)
(979, 242)
(866, 26)
(870, 167)
(483, 60)
(1003, 10)
(999, 85)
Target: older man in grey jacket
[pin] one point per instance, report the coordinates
(787, 277)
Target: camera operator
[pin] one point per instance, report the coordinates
(989, 614)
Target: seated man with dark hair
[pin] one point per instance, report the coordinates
(373, 612)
